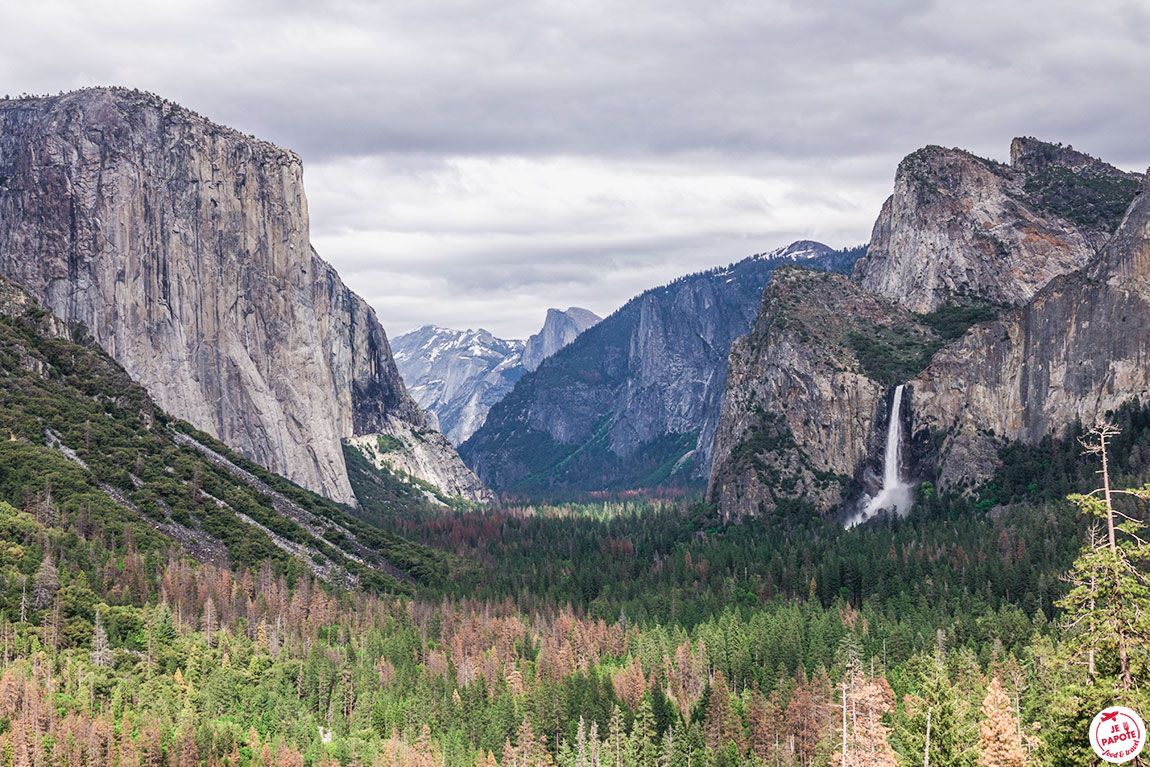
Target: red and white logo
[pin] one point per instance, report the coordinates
(1117, 734)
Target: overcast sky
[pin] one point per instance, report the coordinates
(470, 164)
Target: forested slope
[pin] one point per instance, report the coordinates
(87, 447)
(698, 643)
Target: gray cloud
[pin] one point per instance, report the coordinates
(471, 163)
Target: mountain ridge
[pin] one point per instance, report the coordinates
(457, 375)
(634, 400)
(961, 224)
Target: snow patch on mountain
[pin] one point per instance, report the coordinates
(457, 375)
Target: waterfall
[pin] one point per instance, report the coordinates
(892, 462)
(895, 495)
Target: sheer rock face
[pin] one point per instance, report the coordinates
(958, 224)
(183, 246)
(456, 376)
(16, 301)
(800, 417)
(634, 400)
(652, 369)
(1081, 347)
(559, 329)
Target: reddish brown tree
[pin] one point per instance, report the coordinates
(999, 731)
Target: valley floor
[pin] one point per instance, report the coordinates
(607, 634)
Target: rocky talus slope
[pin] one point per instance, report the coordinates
(184, 247)
(425, 455)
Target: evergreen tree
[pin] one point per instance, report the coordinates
(45, 584)
(801, 726)
(643, 734)
(1107, 642)
(189, 752)
(938, 731)
(721, 725)
(1108, 606)
(763, 722)
(617, 750)
(863, 738)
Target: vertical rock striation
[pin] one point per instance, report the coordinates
(961, 225)
(805, 408)
(559, 329)
(1080, 348)
(184, 247)
(634, 400)
(961, 240)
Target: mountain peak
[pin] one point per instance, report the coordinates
(800, 250)
(559, 329)
(633, 402)
(1030, 155)
(959, 224)
(457, 375)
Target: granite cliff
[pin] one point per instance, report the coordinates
(1025, 314)
(1080, 348)
(961, 225)
(87, 447)
(634, 400)
(559, 329)
(806, 400)
(184, 247)
(457, 375)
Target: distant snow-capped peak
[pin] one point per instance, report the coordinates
(803, 250)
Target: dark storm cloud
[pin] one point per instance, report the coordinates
(532, 149)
